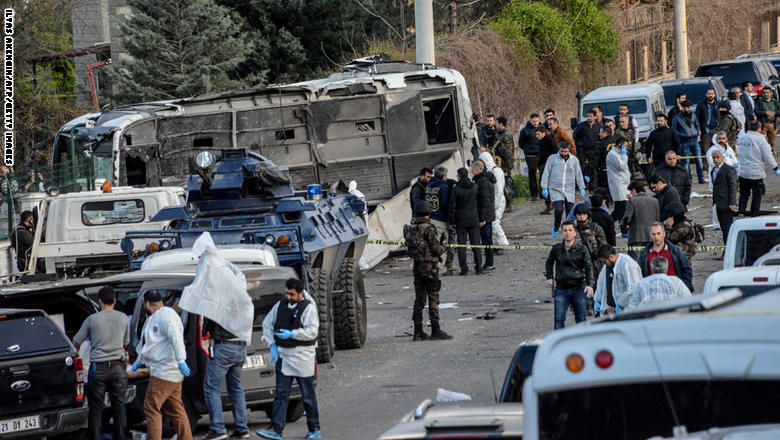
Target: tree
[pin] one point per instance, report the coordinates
(178, 48)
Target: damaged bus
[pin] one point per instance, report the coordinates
(376, 122)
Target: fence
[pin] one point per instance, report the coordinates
(20, 190)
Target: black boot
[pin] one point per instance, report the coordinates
(547, 210)
(437, 334)
(419, 334)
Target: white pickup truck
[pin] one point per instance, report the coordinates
(81, 232)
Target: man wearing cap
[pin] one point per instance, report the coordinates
(161, 348)
(426, 246)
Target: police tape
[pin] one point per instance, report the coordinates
(530, 248)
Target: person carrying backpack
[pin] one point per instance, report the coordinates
(681, 231)
(728, 123)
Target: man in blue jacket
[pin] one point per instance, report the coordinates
(687, 128)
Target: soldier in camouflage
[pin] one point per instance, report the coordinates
(425, 246)
(680, 230)
(590, 234)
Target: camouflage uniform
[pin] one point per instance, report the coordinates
(504, 152)
(682, 235)
(425, 246)
(592, 236)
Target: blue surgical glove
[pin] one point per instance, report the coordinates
(184, 368)
(274, 353)
(582, 192)
(587, 179)
(545, 193)
(623, 150)
(136, 365)
(777, 171)
(623, 235)
(618, 309)
(736, 165)
(596, 306)
(284, 334)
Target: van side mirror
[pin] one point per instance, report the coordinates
(573, 123)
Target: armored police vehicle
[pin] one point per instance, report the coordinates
(243, 198)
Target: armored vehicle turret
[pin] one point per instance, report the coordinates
(244, 198)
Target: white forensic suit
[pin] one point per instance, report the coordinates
(627, 274)
(618, 174)
(657, 288)
(162, 346)
(499, 237)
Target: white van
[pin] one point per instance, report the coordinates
(749, 239)
(643, 100)
(697, 362)
(82, 231)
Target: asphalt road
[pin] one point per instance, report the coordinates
(365, 392)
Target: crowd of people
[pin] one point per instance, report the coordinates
(605, 157)
(737, 136)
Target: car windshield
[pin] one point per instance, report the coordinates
(694, 92)
(733, 73)
(610, 109)
(753, 244)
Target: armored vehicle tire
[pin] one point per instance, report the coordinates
(349, 306)
(320, 290)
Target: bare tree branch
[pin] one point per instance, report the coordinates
(375, 14)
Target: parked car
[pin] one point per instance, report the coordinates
(758, 71)
(644, 101)
(264, 284)
(41, 377)
(772, 57)
(750, 280)
(749, 239)
(459, 421)
(694, 89)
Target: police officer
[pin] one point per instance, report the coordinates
(425, 246)
(22, 239)
(109, 333)
(291, 327)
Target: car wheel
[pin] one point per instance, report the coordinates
(294, 411)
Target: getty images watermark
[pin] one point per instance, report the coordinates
(8, 87)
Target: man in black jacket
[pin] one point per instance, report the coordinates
(547, 148)
(464, 218)
(601, 217)
(22, 239)
(674, 174)
(529, 143)
(665, 194)
(661, 140)
(569, 264)
(724, 192)
(585, 135)
(486, 208)
(417, 193)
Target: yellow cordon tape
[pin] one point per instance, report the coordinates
(530, 248)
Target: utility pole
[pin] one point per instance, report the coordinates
(680, 40)
(423, 24)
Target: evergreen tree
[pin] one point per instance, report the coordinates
(178, 48)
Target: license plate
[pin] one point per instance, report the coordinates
(254, 361)
(20, 424)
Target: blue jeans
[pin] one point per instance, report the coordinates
(691, 149)
(562, 300)
(228, 363)
(283, 385)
